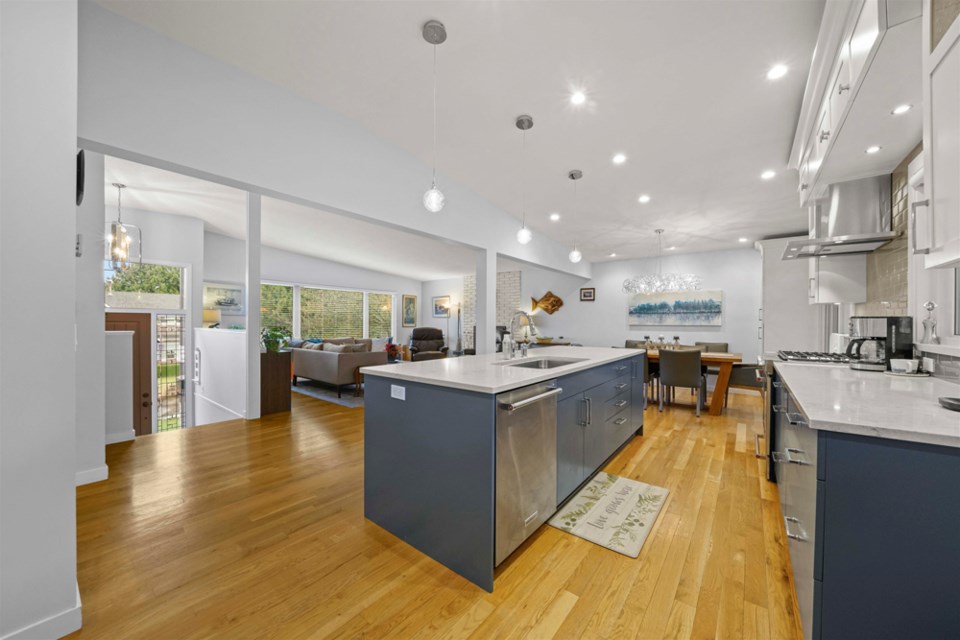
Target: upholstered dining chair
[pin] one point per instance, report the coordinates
(650, 372)
(426, 343)
(746, 376)
(681, 368)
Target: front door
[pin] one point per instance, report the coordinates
(139, 323)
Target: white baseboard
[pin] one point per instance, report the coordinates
(113, 438)
(56, 626)
(92, 475)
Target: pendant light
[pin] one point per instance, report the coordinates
(123, 241)
(661, 282)
(524, 123)
(575, 256)
(434, 33)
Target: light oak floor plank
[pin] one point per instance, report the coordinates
(256, 530)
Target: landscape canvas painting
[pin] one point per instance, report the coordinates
(676, 309)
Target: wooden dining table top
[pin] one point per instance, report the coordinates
(706, 357)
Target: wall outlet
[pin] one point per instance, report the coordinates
(928, 365)
(398, 392)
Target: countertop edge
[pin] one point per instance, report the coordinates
(548, 374)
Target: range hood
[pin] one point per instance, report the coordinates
(853, 218)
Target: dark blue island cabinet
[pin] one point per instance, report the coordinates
(873, 528)
(430, 459)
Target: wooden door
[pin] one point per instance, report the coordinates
(139, 323)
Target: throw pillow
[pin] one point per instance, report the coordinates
(338, 348)
(379, 344)
(313, 346)
(358, 347)
(295, 344)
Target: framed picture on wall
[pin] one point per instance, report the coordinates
(588, 294)
(441, 307)
(408, 311)
(225, 297)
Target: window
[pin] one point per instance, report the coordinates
(276, 307)
(379, 315)
(330, 313)
(143, 286)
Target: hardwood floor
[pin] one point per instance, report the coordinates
(256, 530)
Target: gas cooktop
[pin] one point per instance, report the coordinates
(813, 356)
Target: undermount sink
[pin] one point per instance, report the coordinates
(545, 363)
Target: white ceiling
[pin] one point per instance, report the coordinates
(285, 225)
(679, 87)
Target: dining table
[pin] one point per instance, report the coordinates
(724, 361)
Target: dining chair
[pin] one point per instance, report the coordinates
(746, 376)
(650, 372)
(682, 369)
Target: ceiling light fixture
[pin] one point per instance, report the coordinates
(661, 282)
(434, 33)
(777, 71)
(578, 98)
(612, 255)
(769, 174)
(575, 256)
(619, 158)
(901, 109)
(873, 149)
(643, 199)
(524, 123)
(744, 239)
(671, 248)
(122, 240)
(554, 217)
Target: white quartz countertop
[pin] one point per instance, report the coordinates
(488, 374)
(871, 403)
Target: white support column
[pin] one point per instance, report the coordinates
(486, 301)
(253, 305)
(296, 313)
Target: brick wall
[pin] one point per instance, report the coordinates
(887, 267)
(508, 301)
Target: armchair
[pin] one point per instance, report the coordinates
(426, 343)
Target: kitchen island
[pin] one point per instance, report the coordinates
(432, 446)
(868, 468)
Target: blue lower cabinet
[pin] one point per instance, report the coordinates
(570, 469)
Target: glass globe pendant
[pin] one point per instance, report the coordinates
(575, 256)
(433, 199)
(524, 122)
(524, 235)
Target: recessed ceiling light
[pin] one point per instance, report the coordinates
(873, 149)
(578, 97)
(769, 174)
(903, 108)
(619, 158)
(643, 199)
(744, 239)
(612, 255)
(671, 248)
(554, 217)
(777, 71)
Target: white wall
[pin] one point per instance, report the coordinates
(452, 287)
(38, 110)
(157, 100)
(91, 340)
(223, 257)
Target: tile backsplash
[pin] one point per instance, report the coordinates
(945, 366)
(888, 266)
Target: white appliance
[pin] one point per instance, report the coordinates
(219, 375)
(787, 320)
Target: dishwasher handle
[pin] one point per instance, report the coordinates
(513, 406)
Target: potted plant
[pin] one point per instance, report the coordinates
(273, 339)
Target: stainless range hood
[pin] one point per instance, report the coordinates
(854, 218)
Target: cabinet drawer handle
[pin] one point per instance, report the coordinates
(913, 227)
(824, 136)
(621, 387)
(801, 536)
(804, 186)
(619, 421)
(790, 459)
(621, 369)
(796, 419)
(779, 408)
(776, 384)
(620, 404)
(756, 446)
(842, 88)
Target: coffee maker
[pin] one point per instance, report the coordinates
(875, 340)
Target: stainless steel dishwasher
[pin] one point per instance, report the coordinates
(526, 463)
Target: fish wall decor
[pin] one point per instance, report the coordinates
(549, 303)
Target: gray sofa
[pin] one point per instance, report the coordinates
(335, 368)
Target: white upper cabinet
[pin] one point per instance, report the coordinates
(867, 62)
(941, 145)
